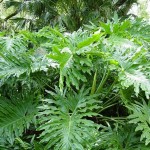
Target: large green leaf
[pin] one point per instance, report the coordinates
(63, 120)
(16, 114)
(140, 117)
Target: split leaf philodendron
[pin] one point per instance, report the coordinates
(70, 91)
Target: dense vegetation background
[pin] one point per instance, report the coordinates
(74, 75)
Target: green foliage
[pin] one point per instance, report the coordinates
(16, 115)
(121, 137)
(71, 14)
(71, 58)
(111, 62)
(64, 125)
(129, 56)
(18, 59)
(140, 117)
(12, 54)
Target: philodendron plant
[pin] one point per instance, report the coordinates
(65, 91)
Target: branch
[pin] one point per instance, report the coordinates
(11, 15)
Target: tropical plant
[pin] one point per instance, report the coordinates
(71, 14)
(66, 125)
(20, 111)
(140, 117)
(121, 137)
(111, 62)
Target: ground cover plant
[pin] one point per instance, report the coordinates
(88, 89)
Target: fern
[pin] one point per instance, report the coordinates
(140, 117)
(63, 120)
(16, 114)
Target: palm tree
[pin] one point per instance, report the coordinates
(71, 14)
